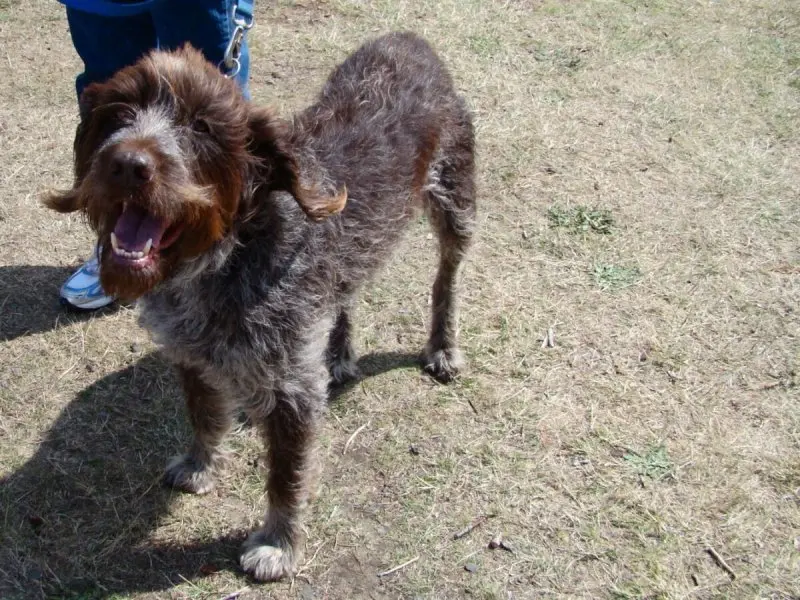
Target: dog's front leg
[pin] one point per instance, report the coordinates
(211, 418)
(290, 432)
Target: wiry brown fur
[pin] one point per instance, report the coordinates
(278, 225)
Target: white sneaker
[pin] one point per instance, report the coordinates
(83, 290)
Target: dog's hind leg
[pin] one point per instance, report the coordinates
(450, 200)
(340, 355)
(210, 417)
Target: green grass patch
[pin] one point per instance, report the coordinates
(615, 277)
(484, 45)
(581, 219)
(568, 58)
(654, 464)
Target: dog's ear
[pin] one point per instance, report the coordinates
(64, 202)
(269, 145)
(88, 101)
(83, 151)
(71, 200)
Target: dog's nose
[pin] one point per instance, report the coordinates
(131, 168)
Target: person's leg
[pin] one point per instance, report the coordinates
(105, 45)
(206, 24)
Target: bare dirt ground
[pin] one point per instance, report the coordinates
(640, 199)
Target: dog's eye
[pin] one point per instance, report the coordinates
(201, 126)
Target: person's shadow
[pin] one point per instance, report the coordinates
(76, 518)
(29, 300)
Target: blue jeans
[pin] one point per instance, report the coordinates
(107, 44)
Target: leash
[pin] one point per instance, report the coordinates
(241, 15)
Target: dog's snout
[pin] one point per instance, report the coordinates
(131, 168)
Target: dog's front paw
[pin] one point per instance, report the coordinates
(185, 473)
(444, 364)
(265, 558)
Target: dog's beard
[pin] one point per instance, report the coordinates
(127, 283)
(137, 250)
(144, 239)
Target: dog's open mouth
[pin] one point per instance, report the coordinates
(139, 236)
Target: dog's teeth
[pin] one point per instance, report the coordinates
(114, 243)
(147, 247)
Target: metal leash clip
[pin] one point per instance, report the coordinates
(234, 49)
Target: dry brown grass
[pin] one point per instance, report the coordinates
(664, 421)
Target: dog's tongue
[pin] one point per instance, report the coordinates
(135, 226)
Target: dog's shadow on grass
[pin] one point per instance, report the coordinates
(79, 517)
(29, 301)
(371, 365)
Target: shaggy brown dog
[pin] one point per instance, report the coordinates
(247, 238)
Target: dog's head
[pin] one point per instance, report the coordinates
(167, 155)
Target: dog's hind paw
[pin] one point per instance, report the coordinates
(265, 561)
(184, 473)
(443, 365)
(344, 372)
